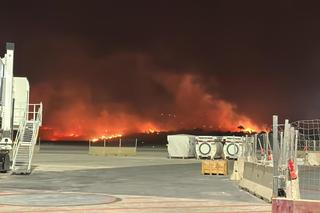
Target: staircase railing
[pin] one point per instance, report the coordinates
(35, 113)
(37, 122)
(16, 143)
(34, 116)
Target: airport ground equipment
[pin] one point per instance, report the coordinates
(232, 150)
(181, 146)
(233, 146)
(20, 121)
(208, 147)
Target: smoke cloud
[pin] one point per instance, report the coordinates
(112, 68)
(127, 92)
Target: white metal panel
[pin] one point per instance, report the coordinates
(1, 73)
(205, 146)
(238, 139)
(209, 147)
(21, 89)
(7, 90)
(181, 145)
(1, 76)
(232, 150)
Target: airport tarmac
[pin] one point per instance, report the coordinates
(67, 179)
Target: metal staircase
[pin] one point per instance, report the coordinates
(25, 141)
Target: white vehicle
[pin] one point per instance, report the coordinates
(20, 121)
(208, 147)
(182, 146)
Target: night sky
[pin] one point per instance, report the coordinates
(108, 67)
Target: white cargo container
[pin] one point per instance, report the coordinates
(208, 147)
(181, 146)
(232, 148)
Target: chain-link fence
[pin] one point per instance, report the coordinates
(284, 162)
(297, 159)
(257, 148)
(285, 143)
(308, 156)
(254, 168)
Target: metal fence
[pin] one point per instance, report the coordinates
(309, 135)
(285, 142)
(114, 142)
(115, 146)
(296, 159)
(308, 157)
(257, 148)
(288, 157)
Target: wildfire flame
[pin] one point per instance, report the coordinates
(106, 137)
(192, 107)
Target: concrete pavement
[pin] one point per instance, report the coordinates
(148, 182)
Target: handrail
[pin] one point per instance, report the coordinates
(35, 113)
(34, 139)
(37, 122)
(34, 116)
(16, 142)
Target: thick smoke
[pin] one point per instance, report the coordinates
(126, 92)
(145, 65)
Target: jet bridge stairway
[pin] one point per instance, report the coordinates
(24, 145)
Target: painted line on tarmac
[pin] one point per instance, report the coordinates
(195, 201)
(142, 208)
(85, 210)
(12, 193)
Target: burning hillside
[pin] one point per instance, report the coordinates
(83, 109)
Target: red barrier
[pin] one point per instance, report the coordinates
(292, 171)
(283, 205)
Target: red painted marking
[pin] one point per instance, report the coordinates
(43, 211)
(295, 206)
(9, 193)
(140, 208)
(242, 212)
(195, 201)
